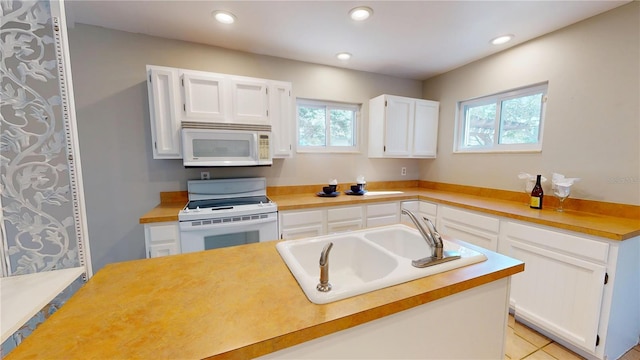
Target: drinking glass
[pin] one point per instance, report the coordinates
(561, 192)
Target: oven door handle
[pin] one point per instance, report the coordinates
(186, 225)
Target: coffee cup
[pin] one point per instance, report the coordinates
(328, 189)
(333, 187)
(356, 188)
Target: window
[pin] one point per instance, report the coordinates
(504, 122)
(327, 126)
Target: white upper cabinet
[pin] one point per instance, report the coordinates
(401, 127)
(425, 128)
(177, 95)
(281, 113)
(249, 100)
(203, 97)
(399, 113)
(164, 99)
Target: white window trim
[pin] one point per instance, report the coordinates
(330, 149)
(496, 147)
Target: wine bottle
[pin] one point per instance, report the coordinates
(536, 195)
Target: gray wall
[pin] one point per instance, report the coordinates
(122, 181)
(592, 128)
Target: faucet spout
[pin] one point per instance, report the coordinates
(324, 284)
(434, 240)
(430, 235)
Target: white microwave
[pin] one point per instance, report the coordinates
(220, 144)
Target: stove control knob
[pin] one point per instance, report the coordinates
(197, 209)
(186, 210)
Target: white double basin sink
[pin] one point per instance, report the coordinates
(366, 260)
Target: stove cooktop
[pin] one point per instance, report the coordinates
(227, 203)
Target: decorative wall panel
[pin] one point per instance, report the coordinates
(42, 219)
(37, 202)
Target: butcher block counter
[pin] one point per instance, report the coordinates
(237, 302)
(607, 220)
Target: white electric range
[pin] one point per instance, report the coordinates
(227, 212)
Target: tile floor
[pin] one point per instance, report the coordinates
(525, 343)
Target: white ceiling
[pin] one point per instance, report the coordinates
(411, 39)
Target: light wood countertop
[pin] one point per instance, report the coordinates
(610, 221)
(238, 302)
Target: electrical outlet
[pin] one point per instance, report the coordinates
(204, 175)
(403, 171)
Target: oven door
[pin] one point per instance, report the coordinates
(198, 235)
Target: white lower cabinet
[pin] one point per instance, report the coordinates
(297, 224)
(383, 214)
(162, 239)
(569, 287)
(343, 219)
(474, 228)
(562, 292)
(422, 209)
(562, 286)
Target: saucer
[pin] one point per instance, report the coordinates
(349, 192)
(333, 194)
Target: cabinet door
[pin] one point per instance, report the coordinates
(429, 210)
(162, 250)
(250, 102)
(341, 219)
(467, 226)
(164, 100)
(162, 239)
(399, 113)
(301, 224)
(281, 115)
(383, 214)
(302, 232)
(425, 129)
(558, 291)
(203, 96)
(343, 226)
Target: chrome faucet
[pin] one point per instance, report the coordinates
(434, 240)
(324, 285)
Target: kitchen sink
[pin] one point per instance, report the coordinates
(365, 260)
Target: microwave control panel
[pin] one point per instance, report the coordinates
(264, 147)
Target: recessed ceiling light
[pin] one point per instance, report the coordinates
(343, 56)
(360, 13)
(502, 39)
(224, 17)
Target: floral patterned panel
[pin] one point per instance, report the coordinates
(36, 199)
(39, 223)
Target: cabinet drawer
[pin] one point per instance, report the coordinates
(377, 210)
(429, 209)
(344, 213)
(342, 226)
(290, 219)
(556, 241)
(163, 233)
(478, 221)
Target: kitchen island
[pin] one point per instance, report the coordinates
(242, 302)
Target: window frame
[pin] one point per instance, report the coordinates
(462, 126)
(330, 105)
